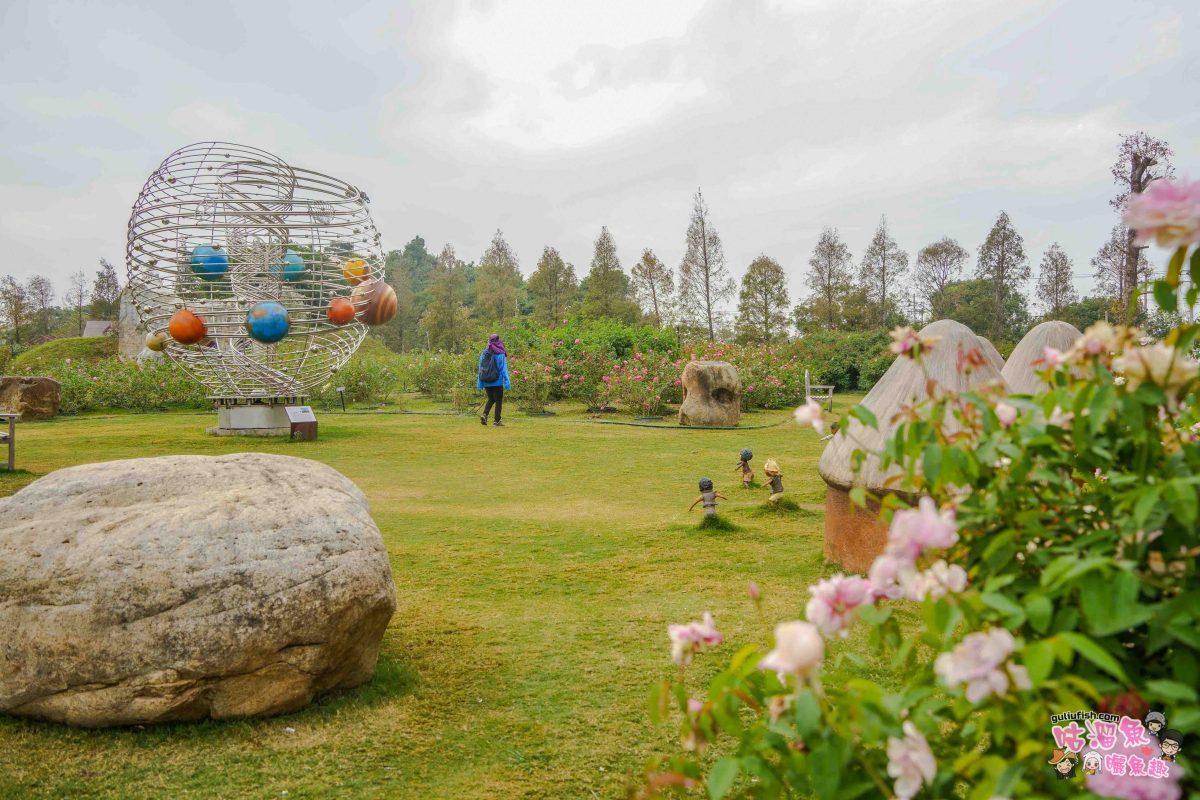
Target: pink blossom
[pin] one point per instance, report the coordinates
(910, 762)
(1006, 414)
(979, 663)
(810, 414)
(834, 601)
(941, 578)
(888, 574)
(566, 376)
(578, 341)
(913, 531)
(689, 639)
(1060, 419)
(752, 589)
(1167, 213)
(798, 651)
(1053, 358)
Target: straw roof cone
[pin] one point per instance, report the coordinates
(903, 384)
(990, 352)
(1020, 371)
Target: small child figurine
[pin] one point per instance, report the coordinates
(709, 497)
(744, 466)
(772, 470)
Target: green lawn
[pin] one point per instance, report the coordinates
(536, 566)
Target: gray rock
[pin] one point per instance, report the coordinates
(711, 392)
(185, 587)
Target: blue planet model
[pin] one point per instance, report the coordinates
(267, 322)
(210, 261)
(291, 268)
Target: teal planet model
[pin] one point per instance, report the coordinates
(291, 268)
(210, 261)
(267, 322)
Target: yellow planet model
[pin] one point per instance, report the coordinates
(156, 342)
(355, 270)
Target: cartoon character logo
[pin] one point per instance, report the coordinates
(1155, 722)
(1064, 763)
(1091, 762)
(1171, 742)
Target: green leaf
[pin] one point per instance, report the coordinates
(874, 615)
(864, 415)
(1172, 690)
(825, 770)
(1182, 497)
(1110, 603)
(1094, 653)
(1145, 504)
(1194, 267)
(807, 713)
(1165, 296)
(931, 463)
(1175, 267)
(721, 777)
(1006, 606)
(1039, 609)
(1039, 660)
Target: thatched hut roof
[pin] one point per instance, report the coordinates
(1020, 371)
(990, 352)
(903, 384)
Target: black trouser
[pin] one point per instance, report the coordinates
(495, 397)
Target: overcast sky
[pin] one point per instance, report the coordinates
(550, 119)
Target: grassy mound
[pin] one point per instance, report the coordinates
(45, 356)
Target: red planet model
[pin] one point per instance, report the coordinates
(340, 311)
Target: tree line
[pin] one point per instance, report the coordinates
(446, 302)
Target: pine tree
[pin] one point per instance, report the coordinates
(938, 265)
(704, 282)
(830, 277)
(1002, 263)
(553, 288)
(653, 287)
(883, 264)
(497, 281)
(607, 292)
(445, 318)
(106, 291)
(763, 302)
(1055, 287)
(1141, 160)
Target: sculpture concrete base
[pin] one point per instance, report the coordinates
(266, 417)
(854, 536)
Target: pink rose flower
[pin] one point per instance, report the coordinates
(910, 762)
(1060, 419)
(937, 581)
(810, 415)
(1053, 358)
(979, 663)
(1167, 213)
(1006, 414)
(689, 639)
(834, 601)
(913, 531)
(798, 651)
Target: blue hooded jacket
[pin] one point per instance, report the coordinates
(502, 365)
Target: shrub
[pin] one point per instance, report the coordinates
(1051, 565)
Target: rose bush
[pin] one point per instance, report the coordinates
(1051, 566)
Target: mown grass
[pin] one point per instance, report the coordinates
(537, 567)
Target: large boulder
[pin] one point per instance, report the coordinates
(32, 398)
(186, 587)
(710, 395)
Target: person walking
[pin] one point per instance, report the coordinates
(492, 377)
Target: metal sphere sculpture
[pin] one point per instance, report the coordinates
(258, 277)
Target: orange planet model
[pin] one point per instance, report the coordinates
(355, 270)
(340, 311)
(377, 300)
(186, 328)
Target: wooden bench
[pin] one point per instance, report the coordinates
(8, 435)
(822, 393)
